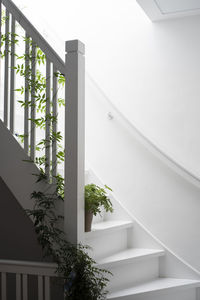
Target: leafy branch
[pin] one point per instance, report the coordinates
(81, 277)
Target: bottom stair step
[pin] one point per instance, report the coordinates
(154, 287)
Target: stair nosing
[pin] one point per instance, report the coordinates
(123, 261)
(189, 284)
(118, 226)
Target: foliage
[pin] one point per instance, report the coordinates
(96, 198)
(83, 280)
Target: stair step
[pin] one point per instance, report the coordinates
(107, 238)
(129, 256)
(156, 286)
(108, 227)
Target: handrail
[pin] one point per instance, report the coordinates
(42, 272)
(73, 68)
(28, 267)
(171, 162)
(36, 36)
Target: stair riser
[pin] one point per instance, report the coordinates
(133, 273)
(185, 294)
(107, 244)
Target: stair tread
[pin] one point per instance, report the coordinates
(130, 254)
(159, 284)
(107, 226)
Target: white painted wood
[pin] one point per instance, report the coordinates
(54, 125)
(25, 286)
(129, 256)
(26, 97)
(6, 74)
(133, 274)
(183, 294)
(37, 37)
(0, 25)
(48, 122)
(40, 288)
(159, 286)
(33, 74)
(3, 286)
(113, 237)
(47, 288)
(74, 141)
(108, 227)
(31, 268)
(18, 286)
(12, 77)
(197, 294)
(13, 164)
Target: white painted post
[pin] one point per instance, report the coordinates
(197, 293)
(74, 141)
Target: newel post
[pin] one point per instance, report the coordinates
(74, 141)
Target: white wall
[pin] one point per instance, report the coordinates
(151, 71)
(163, 201)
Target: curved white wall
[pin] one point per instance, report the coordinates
(166, 203)
(151, 71)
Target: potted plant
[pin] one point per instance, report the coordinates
(96, 198)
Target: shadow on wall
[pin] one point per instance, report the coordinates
(17, 236)
(165, 203)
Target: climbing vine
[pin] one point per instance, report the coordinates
(82, 279)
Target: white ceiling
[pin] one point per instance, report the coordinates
(173, 6)
(165, 9)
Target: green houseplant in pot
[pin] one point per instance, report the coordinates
(96, 198)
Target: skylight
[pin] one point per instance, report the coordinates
(176, 6)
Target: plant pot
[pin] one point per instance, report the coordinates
(88, 220)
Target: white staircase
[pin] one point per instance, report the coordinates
(137, 271)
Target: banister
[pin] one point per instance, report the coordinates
(74, 71)
(35, 35)
(28, 267)
(168, 159)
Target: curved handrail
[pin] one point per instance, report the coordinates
(35, 35)
(59, 63)
(171, 162)
(132, 217)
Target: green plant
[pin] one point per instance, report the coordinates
(81, 278)
(96, 198)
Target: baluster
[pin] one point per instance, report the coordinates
(25, 286)
(47, 288)
(26, 94)
(40, 288)
(6, 70)
(54, 126)
(33, 78)
(0, 46)
(12, 76)
(48, 121)
(197, 293)
(3, 286)
(0, 25)
(18, 286)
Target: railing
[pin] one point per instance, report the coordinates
(168, 159)
(25, 274)
(74, 71)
